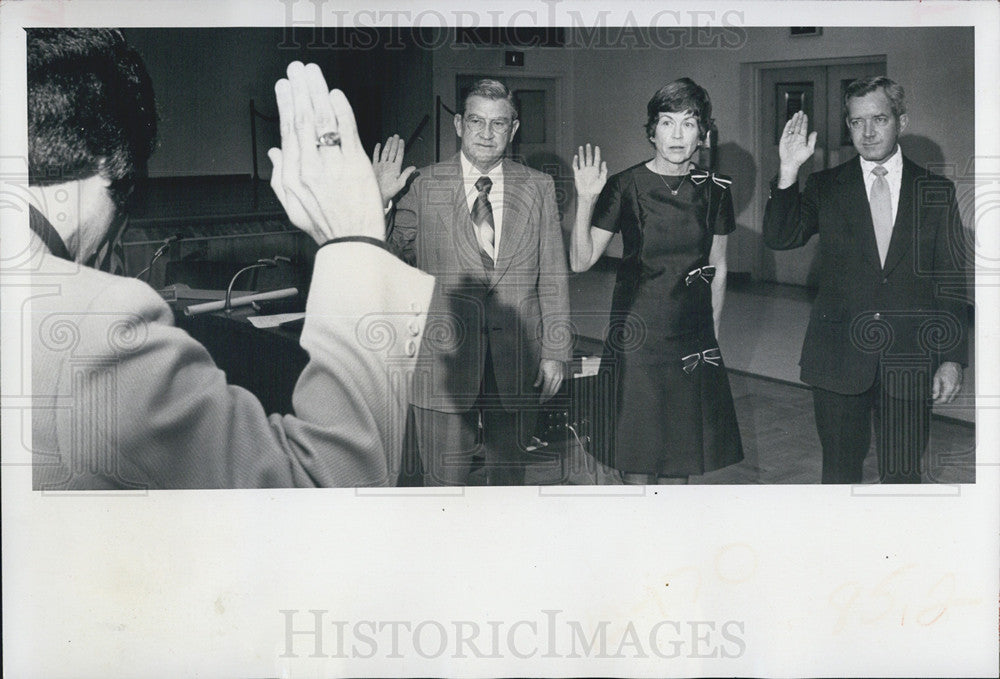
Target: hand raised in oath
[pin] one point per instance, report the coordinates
(321, 175)
(388, 162)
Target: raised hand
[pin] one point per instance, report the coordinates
(387, 162)
(795, 146)
(328, 191)
(589, 171)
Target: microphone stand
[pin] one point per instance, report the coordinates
(160, 251)
(268, 263)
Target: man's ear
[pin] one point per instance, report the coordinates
(101, 178)
(514, 127)
(904, 120)
(458, 124)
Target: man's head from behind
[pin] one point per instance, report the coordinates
(91, 116)
(875, 111)
(487, 123)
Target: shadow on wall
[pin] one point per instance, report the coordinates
(744, 253)
(924, 152)
(561, 173)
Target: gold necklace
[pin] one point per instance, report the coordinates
(673, 192)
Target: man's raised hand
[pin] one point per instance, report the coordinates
(795, 147)
(388, 162)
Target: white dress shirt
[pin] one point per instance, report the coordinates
(894, 175)
(470, 175)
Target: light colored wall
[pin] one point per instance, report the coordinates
(934, 65)
(204, 78)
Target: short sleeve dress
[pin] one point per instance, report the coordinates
(674, 406)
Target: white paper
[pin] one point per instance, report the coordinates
(274, 320)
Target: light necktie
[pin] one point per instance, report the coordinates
(482, 217)
(880, 203)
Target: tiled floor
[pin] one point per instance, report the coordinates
(762, 329)
(780, 444)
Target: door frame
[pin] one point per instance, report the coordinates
(562, 114)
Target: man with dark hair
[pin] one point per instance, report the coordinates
(498, 338)
(123, 399)
(887, 334)
(92, 118)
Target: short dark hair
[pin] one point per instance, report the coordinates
(91, 108)
(681, 95)
(491, 89)
(893, 90)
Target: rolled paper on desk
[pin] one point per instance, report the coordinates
(243, 300)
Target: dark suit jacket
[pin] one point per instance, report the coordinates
(910, 312)
(521, 306)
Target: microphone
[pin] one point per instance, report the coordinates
(160, 251)
(268, 263)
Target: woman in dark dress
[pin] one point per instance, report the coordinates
(675, 414)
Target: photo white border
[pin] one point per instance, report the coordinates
(820, 580)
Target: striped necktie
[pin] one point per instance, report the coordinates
(482, 217)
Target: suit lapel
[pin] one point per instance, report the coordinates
(516, 199)
(902, 228)
(458, 219)
(854, 206)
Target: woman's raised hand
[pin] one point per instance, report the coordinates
(321, 174)
(589, 171)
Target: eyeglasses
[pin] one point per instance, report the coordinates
(477, 124)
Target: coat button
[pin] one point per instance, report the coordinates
(411, 348)
(877, 316)
(884, 281)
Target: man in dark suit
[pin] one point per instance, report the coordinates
(887, 333)
(498, 339)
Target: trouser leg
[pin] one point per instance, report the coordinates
(503, 447)
(843, 423)
(505, 432)
(447, 443)
(902, 429)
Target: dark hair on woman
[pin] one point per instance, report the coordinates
(681, 95)
(91, 108)
(862, 86)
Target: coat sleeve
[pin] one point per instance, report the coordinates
(952, 270)
(791, 218)
(553, 284)
(168, 419)
(402, 222)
